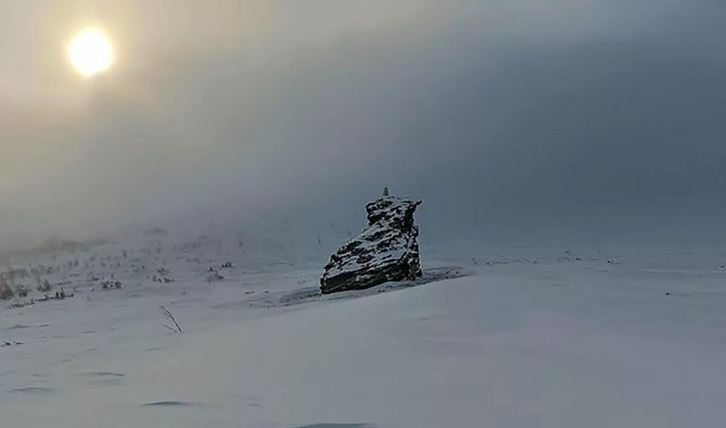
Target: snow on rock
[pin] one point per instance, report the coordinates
(387, 250)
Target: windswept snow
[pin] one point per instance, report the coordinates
(554, 340)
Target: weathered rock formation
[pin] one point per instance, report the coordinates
(387, 250)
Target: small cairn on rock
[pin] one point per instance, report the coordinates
(386, 251)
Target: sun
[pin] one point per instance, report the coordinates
(90, 52)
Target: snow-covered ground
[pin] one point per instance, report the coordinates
(508, 338)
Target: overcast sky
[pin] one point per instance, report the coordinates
(526, 112)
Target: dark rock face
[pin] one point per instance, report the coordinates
(387, 250)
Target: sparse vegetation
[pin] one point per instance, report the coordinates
(21, 290)
(174, 327)
(6, 291)
(111, 285)
(214, 276)
(43, 285)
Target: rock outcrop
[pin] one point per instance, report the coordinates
(387, 250)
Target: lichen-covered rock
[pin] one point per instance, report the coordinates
(387, 250)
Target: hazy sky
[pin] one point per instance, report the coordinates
(526, 112)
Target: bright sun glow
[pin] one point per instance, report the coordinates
(90, 52)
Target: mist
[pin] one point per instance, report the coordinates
(521, 117)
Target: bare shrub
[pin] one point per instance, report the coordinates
(6, 292)
(21, 290)
(176, 328)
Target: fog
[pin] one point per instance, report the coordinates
(561, 116)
